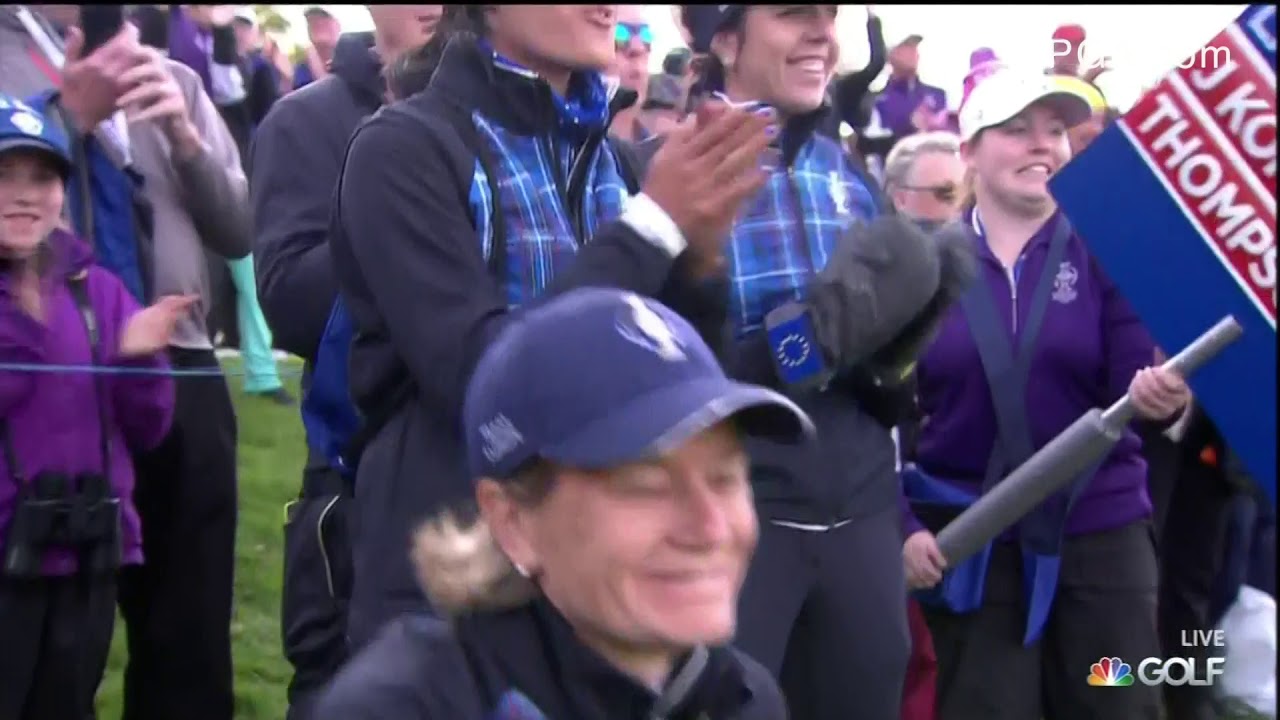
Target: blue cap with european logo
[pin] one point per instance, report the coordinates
(597, 378)
(24, 127)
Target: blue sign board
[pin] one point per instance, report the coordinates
(1177, 201)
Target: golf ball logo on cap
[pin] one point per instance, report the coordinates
(27, 123)
(643, 326)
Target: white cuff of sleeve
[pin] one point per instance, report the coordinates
(653, 224)
(1178, 429)
(227, 84)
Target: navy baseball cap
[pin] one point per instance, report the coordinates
(22, 126)
(704, 21)
(597, 378)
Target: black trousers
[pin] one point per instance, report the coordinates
(56, 636)
(1164, 463)
(1191, 552)
(317, 586)
(1105, 607)
(222, 316)
(825, 613)
(177, 606)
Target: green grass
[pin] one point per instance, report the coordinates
(271, 453)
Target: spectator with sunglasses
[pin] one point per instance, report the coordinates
(505, 188)
(633, 40)
(923, 176)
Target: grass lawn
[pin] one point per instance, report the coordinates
(271, 458)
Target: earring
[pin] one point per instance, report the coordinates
(524, 572)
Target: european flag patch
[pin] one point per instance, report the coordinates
(796, 353)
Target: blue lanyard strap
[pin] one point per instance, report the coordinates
(56, 369)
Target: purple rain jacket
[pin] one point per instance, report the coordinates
(53, 417)
(899, 99)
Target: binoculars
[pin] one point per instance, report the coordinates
(78, 513)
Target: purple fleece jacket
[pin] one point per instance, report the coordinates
(53, 417)
(1088, 350)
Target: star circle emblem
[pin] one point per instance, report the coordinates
(793, 351)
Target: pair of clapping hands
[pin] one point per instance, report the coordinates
(707, 168)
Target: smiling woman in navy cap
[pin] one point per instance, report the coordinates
(506, 187)
(600, 579)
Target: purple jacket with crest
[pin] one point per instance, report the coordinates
(1089, 348)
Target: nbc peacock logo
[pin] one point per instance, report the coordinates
(1110, 672)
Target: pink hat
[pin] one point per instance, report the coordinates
(981, 55)
(976, 75)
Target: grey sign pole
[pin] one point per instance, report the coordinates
(1082, 444)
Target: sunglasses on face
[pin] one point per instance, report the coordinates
(945, 193)
(624, 33)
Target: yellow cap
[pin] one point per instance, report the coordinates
(1075, 85)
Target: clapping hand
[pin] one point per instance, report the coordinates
(148, 331)
(706, 169)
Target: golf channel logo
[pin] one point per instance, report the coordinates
(1114, 672)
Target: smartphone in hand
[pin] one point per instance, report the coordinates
(100, 23)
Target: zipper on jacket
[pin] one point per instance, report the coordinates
(797, 215)
(579, 168)
(1010, 272)
(552, 147)
(576, 193)
(1013, 294)
(570, 189)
